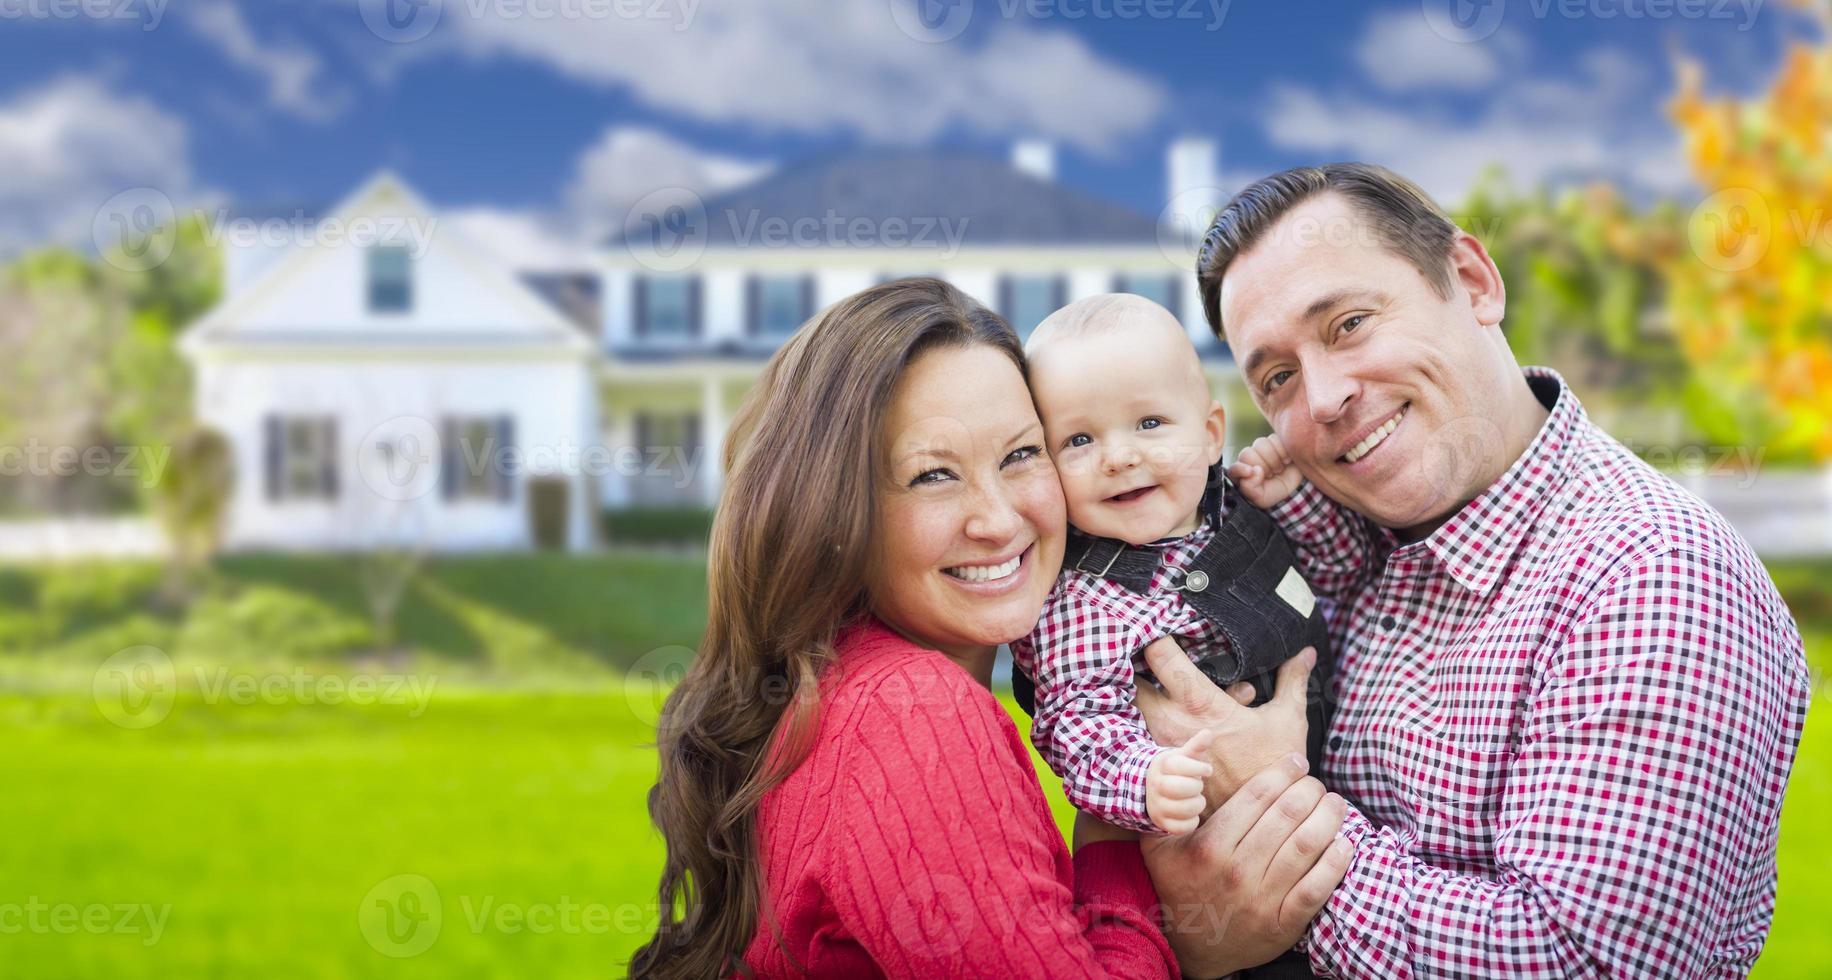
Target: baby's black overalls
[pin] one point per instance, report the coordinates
(1235, 583)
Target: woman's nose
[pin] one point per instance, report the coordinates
(994, 516)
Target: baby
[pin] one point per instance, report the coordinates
(1162, 546)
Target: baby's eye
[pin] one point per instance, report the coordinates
(1150, 422)
(1077, 440)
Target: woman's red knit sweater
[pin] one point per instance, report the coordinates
(915, 841)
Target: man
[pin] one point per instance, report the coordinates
(1568, 694)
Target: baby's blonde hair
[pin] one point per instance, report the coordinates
(1112, 313)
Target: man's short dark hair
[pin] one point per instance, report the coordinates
(1403, 218)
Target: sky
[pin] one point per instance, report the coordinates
(542, 119)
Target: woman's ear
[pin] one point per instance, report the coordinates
(1216, 426)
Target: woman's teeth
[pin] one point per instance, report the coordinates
(985, 573)
(1374, 438)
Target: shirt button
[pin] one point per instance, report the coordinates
(1387, 622)
(1335, 741)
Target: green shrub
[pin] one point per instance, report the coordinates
(94, 592)
(268, 624)
(658, 525)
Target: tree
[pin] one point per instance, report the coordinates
(1749, 298)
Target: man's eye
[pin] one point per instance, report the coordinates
(1023, 453)
(1151, 422)
(1277, 378)
(1077, 440)
(1349, 325)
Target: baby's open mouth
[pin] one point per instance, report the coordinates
(1130, 495)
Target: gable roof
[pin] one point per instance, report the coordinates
(556, 325)
(986, 200)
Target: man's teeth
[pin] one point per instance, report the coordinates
(1374, 438)
(985, 573)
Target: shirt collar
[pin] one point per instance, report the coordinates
(1479, 540)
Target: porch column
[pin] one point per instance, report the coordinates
(712, 438)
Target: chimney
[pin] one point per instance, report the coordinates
(1191, 186)
(1034, 157)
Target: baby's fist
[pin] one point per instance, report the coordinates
(1264, 472)
(1173, 784)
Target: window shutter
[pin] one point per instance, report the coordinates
(448, 458)
(1005, 298)
(1060, 295)
(639, 307)
(807, 299)
(505, 440)
(272, 454)
(753, 306)
(694, 327)
(327, 474)
(1119, 283)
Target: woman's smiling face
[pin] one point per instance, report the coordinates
(970, 526)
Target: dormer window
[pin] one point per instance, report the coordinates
(390, 279)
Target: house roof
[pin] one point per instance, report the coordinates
(575, 294)
(985, 200)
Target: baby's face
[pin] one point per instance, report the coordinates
(1132, 428)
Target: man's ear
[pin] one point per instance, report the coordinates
(1475, 274)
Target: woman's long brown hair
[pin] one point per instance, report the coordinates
(786, 567)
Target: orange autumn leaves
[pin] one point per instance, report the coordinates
(1751, 299)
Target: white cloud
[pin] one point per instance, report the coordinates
(1600, 120)
(1400, 51)
(292, 72)
(520, 239)
(627, 163)
(816, 66)
(71, 145)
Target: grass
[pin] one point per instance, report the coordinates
(271, 831)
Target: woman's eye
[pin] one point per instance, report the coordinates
(1277, 378)
(1077, 440)
(1023, 453)
(1150, 423)
(930, 476)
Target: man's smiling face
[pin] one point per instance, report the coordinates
(1363, 368)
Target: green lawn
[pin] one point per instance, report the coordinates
(281, 839)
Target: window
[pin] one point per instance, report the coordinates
(668, 307)
(476, 453)
(390, 279)
(301, 458)
(779, 304)
(1025, 300)
(1161, 290)
(669, 444)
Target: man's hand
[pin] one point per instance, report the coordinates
(1246, 739)
(1243, 887)
(1264, 472)
(1174, 784)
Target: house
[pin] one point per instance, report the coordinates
(384, 382)
(697, 294)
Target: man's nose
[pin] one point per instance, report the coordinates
(1329, 392)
